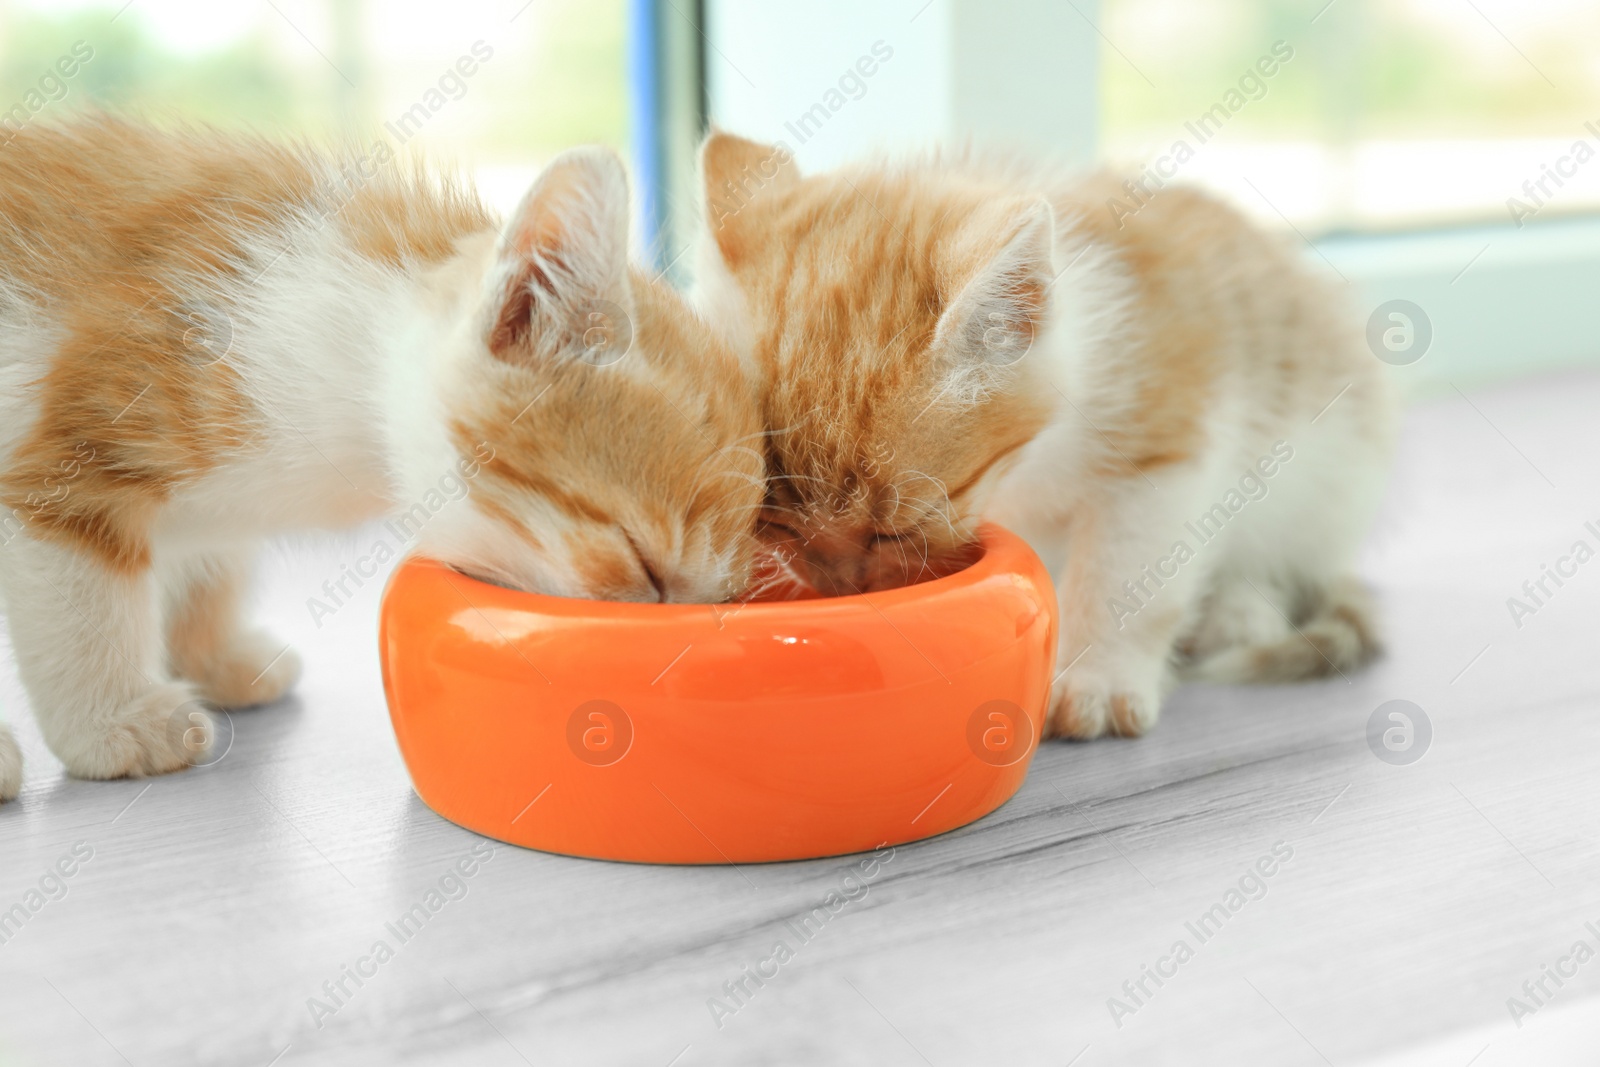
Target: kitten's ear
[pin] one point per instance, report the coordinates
(565, 257)
(993, 320)
(739, 173)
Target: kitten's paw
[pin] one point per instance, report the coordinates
(10, 765)
(1083, 712)
(162, 730)
(256, 669)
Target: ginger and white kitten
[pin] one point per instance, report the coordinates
(1171, 407)
(208, 340)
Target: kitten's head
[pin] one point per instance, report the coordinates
(887, 316)
(606, 433)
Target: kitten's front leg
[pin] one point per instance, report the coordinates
(1131, 577)
(209, 641)
(88, 647)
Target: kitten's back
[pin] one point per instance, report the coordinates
(127, 253)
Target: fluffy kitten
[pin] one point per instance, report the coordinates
(207, 340)
(1170, 406)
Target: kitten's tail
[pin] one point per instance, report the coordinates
(1337, 634)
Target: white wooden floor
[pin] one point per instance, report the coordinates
(1417, 899)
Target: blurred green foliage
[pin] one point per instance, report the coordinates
(130, 73)
(575, 89)
(558, 78)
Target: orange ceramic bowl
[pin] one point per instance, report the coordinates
(728, 733)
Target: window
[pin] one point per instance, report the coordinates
(544, 75)
(1388, 134)
(1376, 115)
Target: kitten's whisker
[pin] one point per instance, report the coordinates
(754, 456)
(739, 507)
(765, 433)
(923, 566)
(896, 489)
(802, 478)
(944, 490)
(936, 398)
(732, 448)
(927, 511)
(704, 480)
(733, 510)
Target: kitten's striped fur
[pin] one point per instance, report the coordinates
(206, 340)
(958, 336)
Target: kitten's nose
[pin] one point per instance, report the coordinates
(837, 563)
(839, 575)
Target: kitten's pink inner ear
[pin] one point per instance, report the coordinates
(513, 323)
(567, 244)
(739, 174)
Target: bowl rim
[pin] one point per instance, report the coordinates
(998, 548)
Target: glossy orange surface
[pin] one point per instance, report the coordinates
(727, 733)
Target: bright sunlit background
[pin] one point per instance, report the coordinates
(1397, 137)
(1391, 113)
(342, 67)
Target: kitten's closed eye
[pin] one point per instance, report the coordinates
(650, 570)
(778, 526)
(626, 478)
